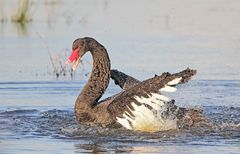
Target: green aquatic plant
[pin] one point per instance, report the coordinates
(22, 13)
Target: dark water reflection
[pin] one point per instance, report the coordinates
(22, 28)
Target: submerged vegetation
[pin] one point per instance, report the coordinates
(60, 69)
(22, 13)
(58, 62)
(58, 65)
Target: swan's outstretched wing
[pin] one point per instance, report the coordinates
(138, 102)
(123, 80)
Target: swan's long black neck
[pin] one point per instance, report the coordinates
(99, 78)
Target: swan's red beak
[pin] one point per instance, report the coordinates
(74, 57)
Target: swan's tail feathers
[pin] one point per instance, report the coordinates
(123, 80)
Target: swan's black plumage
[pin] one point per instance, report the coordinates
(90, 111)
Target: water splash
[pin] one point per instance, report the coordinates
(62, 123)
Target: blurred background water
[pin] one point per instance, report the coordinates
(143, 38)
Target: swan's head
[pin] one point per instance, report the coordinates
(78, 50)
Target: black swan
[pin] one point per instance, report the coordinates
(140, 106)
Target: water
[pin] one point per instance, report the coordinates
(36, 111)
(46, 123)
